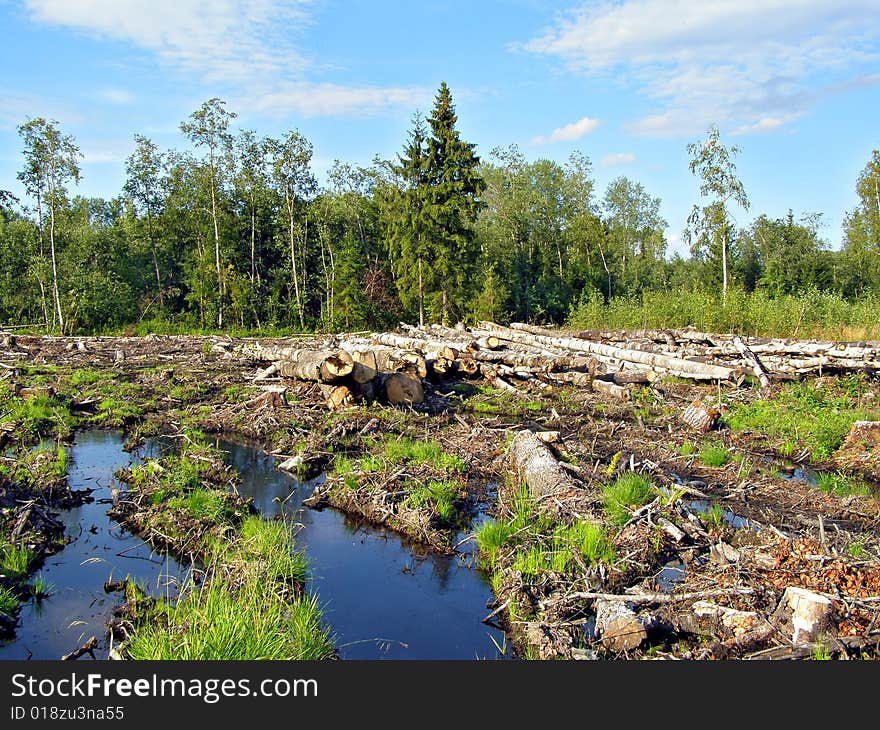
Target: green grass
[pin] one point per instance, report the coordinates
(80, 378)
(842, 485)
(15, 560)
(567, 548)
(492, 536)
(40, 588)
(440, 496)
(714, 455)
(714, 517)
(624, 495)
(812, 314)
(8, 601)
(250, 607)
(803, 416)
(59, 466)
(41, 415)
(586, 539)
(406, 450)
(686, 449)
(204, 504)
(115, 411)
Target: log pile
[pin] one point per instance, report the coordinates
(395, 367)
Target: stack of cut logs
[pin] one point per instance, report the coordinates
(392, 367)
(521, 357)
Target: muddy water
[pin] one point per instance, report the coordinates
(99, 549)
(382, 597)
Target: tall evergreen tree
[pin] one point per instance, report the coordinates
(454, 186)
(404, 205)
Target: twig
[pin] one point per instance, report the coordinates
(87, 648)
(644, 598)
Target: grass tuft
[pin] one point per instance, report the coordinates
(625, 494)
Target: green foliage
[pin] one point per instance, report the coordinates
(406, 450)
(686, 449)
(817, 418)
(842, 484)
(440, 496)
(40, 588)
(8, 601)
(15, 560)
(714, 516)
(714, 455)
(625, 494)
(203, 504)
(812, 313)
(491, 536)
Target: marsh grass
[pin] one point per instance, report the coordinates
(204, 504)
(8, 601)
(805, 416)
(406, 450)
(251, 606)
(626, 493)
(713, 455)
(15, 560)
(842, 484)
(439, 496)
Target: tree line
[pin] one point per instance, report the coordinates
(236, 232)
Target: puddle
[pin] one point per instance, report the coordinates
(670, 575)
(383, 597)
(729, 517)
(99, 549)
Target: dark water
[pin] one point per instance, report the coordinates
(382, 598)
(100, 549)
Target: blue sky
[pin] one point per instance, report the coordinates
(794, 84)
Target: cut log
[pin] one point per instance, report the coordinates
(710, 619)
(636, 377)
(467, 366)
(672, 365)
(365, 367)
(324, 366)
(364, 391)
(700, 417)
(753, 362)
(402, 389)
(581, 380)
(613, 389)
(811, 613)
(337, 396)
(538, 468)
(619, 626)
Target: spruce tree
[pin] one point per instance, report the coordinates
(405, 221)
(452, 202)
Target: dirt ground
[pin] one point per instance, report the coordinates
(705, 569)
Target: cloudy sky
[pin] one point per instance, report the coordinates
(795, 84)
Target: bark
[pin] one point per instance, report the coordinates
(402, 389)
(664, 363)
(546, 480)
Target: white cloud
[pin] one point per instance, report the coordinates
(247, 45)
(315, 100)
(764, 124)
(731, 62)
(119, 97)
(617, 158)
(234, 40)
(568, 133)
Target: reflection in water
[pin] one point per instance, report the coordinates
(382, 596)
(99, 549)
